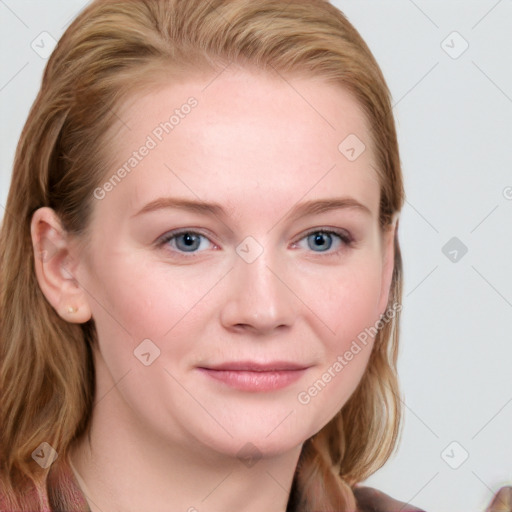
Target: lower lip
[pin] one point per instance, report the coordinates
(255, 381)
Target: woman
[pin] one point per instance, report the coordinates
(171, 337)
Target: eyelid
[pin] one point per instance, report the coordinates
(346, 238)
(166, 237)
(342, 233)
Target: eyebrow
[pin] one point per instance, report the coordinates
(313, 207)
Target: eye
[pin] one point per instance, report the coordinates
(322, 239)
(183, 241)
(188, 241)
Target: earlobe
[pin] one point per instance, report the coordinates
(54, 267)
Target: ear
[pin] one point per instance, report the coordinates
(55, 266)
(388, 261)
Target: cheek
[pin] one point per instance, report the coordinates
(348, 303)
(351, 313)
(123, 307)
(349, 307)
(138, 299)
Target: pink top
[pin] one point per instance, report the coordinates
(62, 493)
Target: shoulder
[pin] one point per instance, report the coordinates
(372, 500)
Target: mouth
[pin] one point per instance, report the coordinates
(254, 376)
(255, 366)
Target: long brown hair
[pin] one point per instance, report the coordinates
(112, 47)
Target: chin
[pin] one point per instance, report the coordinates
(251, 445)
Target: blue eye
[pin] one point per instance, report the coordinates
(323, 240)
(187, 241)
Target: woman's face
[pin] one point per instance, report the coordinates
(210, 249)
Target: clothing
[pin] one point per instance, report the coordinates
(63, 494)
(371, 500)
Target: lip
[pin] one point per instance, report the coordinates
(254, 376)
(255, 366)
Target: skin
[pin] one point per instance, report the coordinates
(165, 436)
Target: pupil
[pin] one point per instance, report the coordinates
(319, 239)
(188, 239)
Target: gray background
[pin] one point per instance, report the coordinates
(454, 115)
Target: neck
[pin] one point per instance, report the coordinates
(122, 467)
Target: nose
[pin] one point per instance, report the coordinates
(260, 298)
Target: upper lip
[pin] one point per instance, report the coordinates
(257, 366)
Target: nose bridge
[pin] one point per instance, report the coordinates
(258, 297)
(260, 274)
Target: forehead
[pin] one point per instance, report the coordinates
(240, 136)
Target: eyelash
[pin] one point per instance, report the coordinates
(344, 236)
